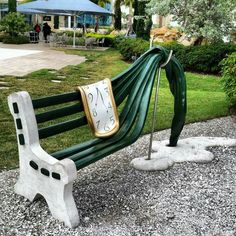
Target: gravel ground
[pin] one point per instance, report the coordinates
(115, 199)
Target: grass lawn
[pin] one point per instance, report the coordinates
(206, 99)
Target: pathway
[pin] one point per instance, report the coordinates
(19, 60)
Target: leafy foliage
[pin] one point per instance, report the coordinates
(109, 38)
(143, 22)
(211, 19)
(14, 23)
(101, 3)
(229, 77)
(203, 59)
(12, 5)
(19, 39)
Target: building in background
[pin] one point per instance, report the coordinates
(3, 5)
(63, 22)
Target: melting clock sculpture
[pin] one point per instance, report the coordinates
(100, 108)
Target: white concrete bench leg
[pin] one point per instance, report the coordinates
(40, 173)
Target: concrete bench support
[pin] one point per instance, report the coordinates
(40, 173)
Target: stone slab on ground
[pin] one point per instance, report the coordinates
(114, 199)
(192, 149)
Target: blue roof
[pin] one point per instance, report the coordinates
(22, 9)
(73, 7)
(25, 10)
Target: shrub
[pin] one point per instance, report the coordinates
(206, 58)
(14, 23)
(131, 47)
(203, 59)
(19, 39)
(229, 77)
(78, 41)
(2, 36)
(109, 38)
(69, 33)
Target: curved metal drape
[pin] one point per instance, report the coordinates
(132, 90)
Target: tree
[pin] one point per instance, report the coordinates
(117, 23)
(129, 3)
(13, 24)
(143, 23)
(135, 5)
(11, 5)
(101, 3)
(210, 19)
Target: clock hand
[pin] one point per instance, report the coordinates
(99, 92)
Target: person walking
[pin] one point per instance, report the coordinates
(46, 31)
(37, 30)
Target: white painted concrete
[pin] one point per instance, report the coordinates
(32, 182)
(7, 53)
(189, 149)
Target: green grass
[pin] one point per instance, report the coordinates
(206, 100)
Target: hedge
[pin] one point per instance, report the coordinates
(20, 39)
(203, 59)
(109, 38)
(229, 77)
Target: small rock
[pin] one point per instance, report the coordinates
(56, 81)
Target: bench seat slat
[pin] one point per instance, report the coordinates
(130, 137)
(57, 113)
(56, 99)
(61, 127)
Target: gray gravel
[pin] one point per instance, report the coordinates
(115, 199)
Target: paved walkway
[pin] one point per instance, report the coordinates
(19, 60)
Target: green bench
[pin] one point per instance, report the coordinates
(52, 175)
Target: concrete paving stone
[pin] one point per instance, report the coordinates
(61, 77)
(56, 81)
(1, 88)
(3, 83)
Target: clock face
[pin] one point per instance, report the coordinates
(100, 108)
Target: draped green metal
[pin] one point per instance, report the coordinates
(133, 89)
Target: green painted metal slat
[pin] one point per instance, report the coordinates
(58, 113)
(56, 99)
(61, 127)
(132, 122)
(130, 110)
(127, 140)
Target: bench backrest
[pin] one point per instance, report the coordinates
(128, 87)
(52, 114)
(121, 89)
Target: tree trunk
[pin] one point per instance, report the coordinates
(160, 21)
(11, 5)
(143, 25)
(117, 23)
(198, 41)
(135, 5)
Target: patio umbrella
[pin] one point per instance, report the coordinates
(72, 7)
